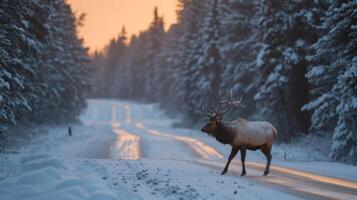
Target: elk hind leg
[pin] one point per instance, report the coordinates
(267, 152)
(242, 159)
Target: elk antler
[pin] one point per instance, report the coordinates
(207, 112)
(229, 101)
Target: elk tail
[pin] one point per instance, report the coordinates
(275, 133)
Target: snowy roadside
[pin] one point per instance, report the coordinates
(41, 168)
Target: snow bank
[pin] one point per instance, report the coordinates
(43, 176)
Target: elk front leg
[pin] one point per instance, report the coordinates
(234, 152)
(242, 159)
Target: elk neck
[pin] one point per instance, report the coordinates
(225, 133)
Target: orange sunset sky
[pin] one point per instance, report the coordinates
(105, 18)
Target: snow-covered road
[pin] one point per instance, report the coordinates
(131, 151)
(133, 128)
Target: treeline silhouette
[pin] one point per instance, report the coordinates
(294, 62)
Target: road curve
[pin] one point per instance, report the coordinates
(201, 149)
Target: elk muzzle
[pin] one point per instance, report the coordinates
(204, 129)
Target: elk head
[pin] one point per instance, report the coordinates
(216, 113)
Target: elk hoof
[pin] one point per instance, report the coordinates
(224, 172)
(243, 173)
(266, 173)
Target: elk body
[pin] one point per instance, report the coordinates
(240, 134)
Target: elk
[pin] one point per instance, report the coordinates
(240, 134)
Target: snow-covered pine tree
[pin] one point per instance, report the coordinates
(131, 60)
(65, 69)
(114, 52)
(286, 35)
(137, 70)
(117, 74)
(187, 53)
(206, 71)
(239, 46)
(22, 35)
(42, 63)
(97, 75)
(163, 61)
(333, 79)
(153, 46)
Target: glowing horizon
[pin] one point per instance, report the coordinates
(104, 21)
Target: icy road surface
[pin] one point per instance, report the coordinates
(130, 151)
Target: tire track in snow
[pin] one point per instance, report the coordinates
(127, 145)
(300, 183)
(127, 113)
(200, 148)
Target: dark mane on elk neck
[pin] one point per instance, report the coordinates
(224, 133)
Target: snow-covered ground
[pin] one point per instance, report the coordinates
(130, 151)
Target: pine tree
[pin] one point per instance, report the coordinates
(114, 52)
(187, 54)
(333, 79)
(117, 74)
(206, 71)
(42, 74)
(21, 37)
(283, 90)
(240, 43)
(163, 78)
(66, 60)
(169, 63)
(97, 75)
(132, 59)
(152, 47)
